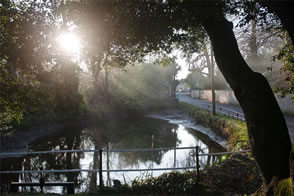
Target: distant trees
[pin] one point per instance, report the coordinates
(197, 81)
(138, 88)
(202, 61)
(170, 73)
(260, 44)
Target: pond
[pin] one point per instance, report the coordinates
(168, 129)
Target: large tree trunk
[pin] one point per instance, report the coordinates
(267, 129)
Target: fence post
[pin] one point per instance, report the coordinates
(100, 170)
(70, 189)
(197, 163)
(175, 157)
(13, 188)
(42, 180)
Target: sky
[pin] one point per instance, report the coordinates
(184, 68)
(182, 74)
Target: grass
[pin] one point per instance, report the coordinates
(233, 130)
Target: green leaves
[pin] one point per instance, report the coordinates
(286, 55)
(165, 62)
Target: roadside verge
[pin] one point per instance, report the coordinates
(234, 131)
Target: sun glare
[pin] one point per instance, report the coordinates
(69, 42)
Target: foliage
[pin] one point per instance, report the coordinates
(197, 81)
(122, 30)
(143, 86)
(131, 90)
(261, 47)
(172, 183)
(202, 62)
(36, 80)
(246, 11)
(286, 55)
(237, 175)
(219, 80)
(118, 36)
(168, 184)
(284, 187)
(263, 43)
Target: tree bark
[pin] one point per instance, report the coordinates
(252, 41)
(267, 129)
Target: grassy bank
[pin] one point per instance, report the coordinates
(234, 131)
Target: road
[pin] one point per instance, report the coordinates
(231, 110)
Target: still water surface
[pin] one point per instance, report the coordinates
(166, 129)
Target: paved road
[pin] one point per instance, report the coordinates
(231, 110)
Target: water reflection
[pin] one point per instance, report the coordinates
(144, 133)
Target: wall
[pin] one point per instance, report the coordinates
(286, 104)
(228, 97)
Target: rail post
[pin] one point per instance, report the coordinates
(175, 157)
(100, 170)
(42, 180)
(70, 189)
(197, 163)
(13, 188)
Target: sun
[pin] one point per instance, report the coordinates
(69, 42)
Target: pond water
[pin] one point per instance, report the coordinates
(166, 129)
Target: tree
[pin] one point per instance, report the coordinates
(265, 45)
(142, 86)
(169, 20)
(259, 44)
(197, 81)
(170, 73)
(203, 62)
(209, 66)
(261, 121)
(36, 79)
